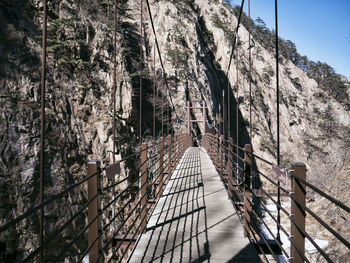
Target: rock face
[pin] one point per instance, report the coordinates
(195, 38)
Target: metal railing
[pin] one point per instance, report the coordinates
(234, 164)
(111, 237)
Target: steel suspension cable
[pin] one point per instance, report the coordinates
(234, 39)
(250, 80)
(114, 72)
(141, 54)
(278, 120)
(162, 109)
(114, 85)
(154, 92)
(160, 58)
(237, 111)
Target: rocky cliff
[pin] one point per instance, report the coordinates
(195, 38)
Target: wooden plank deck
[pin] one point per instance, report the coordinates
(194, 221)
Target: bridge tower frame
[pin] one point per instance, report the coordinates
(189, 120)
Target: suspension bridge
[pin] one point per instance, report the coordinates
(196, 198)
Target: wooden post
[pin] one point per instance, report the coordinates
(93, 208)
(230, 167)
(247, 199)
(143, 185)
(222, 156)
(161, 165)
(297, 212)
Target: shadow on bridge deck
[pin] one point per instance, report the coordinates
(194, 221)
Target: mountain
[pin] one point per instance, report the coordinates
(195, 39)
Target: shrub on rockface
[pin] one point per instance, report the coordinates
(324, 74)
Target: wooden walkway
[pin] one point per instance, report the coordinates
(194, 221)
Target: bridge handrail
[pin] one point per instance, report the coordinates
(50, 237)
(167, 162)
(291, 196)
(221, 154)
(63, 192)
(114, 218)
(322, 193)
(46, 202)
(277, 223)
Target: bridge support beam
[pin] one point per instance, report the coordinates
(143, 191)
(298, 213)
(247, 189)
(94, 188)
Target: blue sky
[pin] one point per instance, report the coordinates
(320, 29)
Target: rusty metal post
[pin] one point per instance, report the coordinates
(247, 199)
(204, 118)
(180, 146)
(174, 153)
(210, 146)
(143, 185)
(214, 142)
(222, 156)
(217, 151)
(161, 165)
(298, 190)
(169, 157)
(230, 167)
(93, 208)
(188, 118)
(179, 138)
